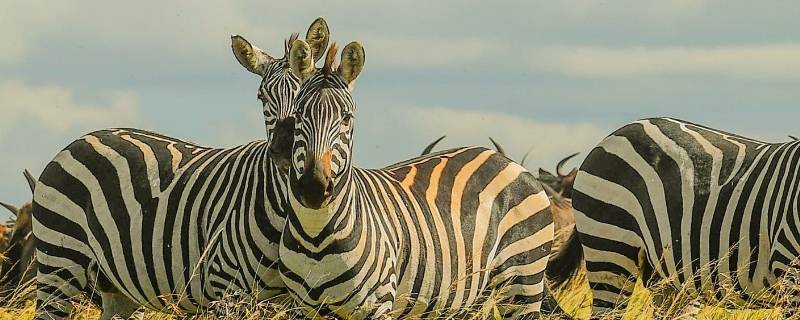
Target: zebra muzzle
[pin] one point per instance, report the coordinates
(316, 183)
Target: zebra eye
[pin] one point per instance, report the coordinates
(347, 121)
(261, 96)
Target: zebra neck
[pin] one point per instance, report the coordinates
(260, 194)
(259, 214)
(277, 189)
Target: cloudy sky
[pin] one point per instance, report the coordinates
(553, 77)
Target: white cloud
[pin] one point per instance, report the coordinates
(174, 32)
(777, 61)
(20, 24)
(425, 51)
(53, 109)
(547, 141)
(38, 121)
(650, 11)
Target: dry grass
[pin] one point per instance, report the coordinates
(575, 298)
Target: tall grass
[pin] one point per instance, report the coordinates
(575, 298)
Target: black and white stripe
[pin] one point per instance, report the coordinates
(709, 212)
(433, 235)
(154, 221)
(161, 221)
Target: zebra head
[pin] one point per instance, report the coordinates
(279, 85)
(324, 126)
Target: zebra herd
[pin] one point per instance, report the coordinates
(141, 220)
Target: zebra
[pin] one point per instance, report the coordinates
(154, 221)
(709, 215)
(559, 189)
(431, 235)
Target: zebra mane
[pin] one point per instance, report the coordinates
(287, 44)
(330, 59)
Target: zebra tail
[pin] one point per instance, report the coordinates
(566, 264)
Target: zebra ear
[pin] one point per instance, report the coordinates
(250, 57)
(352, 62)
(300, 59)
(317, 38)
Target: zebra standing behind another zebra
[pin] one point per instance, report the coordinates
(712, 214)
(158, 222)
(433, 235)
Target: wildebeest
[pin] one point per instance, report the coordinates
(16, 269)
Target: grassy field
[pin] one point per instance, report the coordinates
(575, 299)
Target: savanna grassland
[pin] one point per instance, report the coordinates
(575, 298)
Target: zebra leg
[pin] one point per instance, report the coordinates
(611, 280)
(671, 303)
(59, 281)
(522, 297)
(550, 305)
(116, 305)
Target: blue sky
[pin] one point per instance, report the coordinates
(553, 77)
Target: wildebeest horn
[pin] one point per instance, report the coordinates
(498, 147)
(31, 180)
(563, 162)
(525, 157)
(556, 197)
(793, 137)
(430, 147)
(11, 208)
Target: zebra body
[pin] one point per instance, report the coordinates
(158, 222)
(710, 212)
(435, 234)
(165, 222)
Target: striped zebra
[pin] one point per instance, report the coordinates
(710, 215)
(154, 221)
(433, 235)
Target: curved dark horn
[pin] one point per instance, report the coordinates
(547, 189)
(31, 180)
(430, 147)
(561, 164)
(11, 208)
(554, 195)
(525, 157)
(498, 147)
(793, 137)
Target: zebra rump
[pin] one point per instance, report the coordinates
(711, 214)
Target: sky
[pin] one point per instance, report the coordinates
(549, 77)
